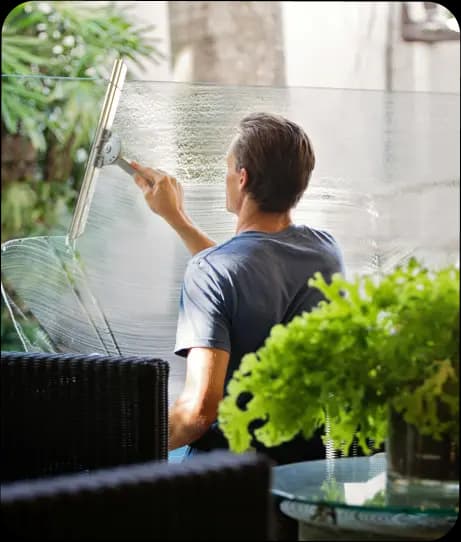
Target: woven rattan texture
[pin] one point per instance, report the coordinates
(65, 413)
(217, 496)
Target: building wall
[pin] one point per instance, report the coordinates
(343, 45)
(334, 44)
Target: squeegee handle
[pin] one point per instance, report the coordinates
(126, 166)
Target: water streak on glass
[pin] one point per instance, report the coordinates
(386, 185)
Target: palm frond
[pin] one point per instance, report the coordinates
(66, 109)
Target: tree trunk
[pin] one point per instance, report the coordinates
(59, 160)
(239, 43)
(19, 158)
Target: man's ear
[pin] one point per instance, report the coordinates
(243, 179)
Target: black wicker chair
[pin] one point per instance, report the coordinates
(63, 413)
(217, 496)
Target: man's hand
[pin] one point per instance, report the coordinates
(163, 193)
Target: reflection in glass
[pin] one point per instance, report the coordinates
(359, 483)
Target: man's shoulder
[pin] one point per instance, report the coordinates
(229, 249)
(240, 249)
(216, 260)
(212, 267)
(317, 234)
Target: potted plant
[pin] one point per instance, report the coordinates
(375, 352)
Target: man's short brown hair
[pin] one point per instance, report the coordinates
(278, 157)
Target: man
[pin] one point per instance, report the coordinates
(235, 292)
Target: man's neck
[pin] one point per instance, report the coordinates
(250, 218)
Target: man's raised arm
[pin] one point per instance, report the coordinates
(164, 195)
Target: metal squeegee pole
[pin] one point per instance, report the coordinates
(106, 118)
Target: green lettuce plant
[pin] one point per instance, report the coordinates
(370, 345)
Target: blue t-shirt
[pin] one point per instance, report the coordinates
(234, 293)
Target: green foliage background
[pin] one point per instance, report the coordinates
(55, 59)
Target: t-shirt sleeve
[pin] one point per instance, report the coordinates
(203, 319)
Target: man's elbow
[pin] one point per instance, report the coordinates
(202, 419)
(195, 420)
(189, 420)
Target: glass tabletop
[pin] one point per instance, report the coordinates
(358, 483)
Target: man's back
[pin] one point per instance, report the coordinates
(234, 293)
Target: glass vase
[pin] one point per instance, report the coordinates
(420, 467)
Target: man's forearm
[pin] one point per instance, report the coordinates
(194, 239)
(183, 427)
